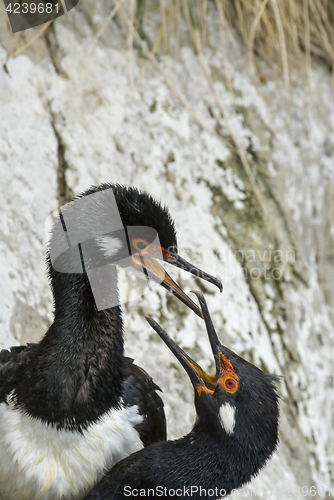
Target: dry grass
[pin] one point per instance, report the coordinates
(285, 33)
(289, 29)
(280, 31)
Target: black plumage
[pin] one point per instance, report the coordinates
(139, 389)
(235, 433)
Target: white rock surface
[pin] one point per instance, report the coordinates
(110, 130)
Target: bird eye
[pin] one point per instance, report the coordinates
(140, 244)
(230, 384)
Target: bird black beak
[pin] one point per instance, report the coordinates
(212, 334)
(176, 260)
(200, 380)
(147, 260)
(225, 373)
(226, 376)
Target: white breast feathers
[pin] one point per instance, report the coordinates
(39, 462)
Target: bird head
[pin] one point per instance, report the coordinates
(113, 224)
(239, 403)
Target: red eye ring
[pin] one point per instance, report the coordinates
(229, 383)
(140, 244)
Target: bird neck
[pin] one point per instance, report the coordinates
(76, 374)
(200, 459)
(215, 460)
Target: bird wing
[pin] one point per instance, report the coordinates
(139, 389)
(11, 363)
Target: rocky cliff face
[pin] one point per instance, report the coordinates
(77, 111)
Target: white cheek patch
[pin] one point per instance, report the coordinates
(227, 417)
(109, 245)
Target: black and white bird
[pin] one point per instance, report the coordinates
(71, 406)
(235, 433)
